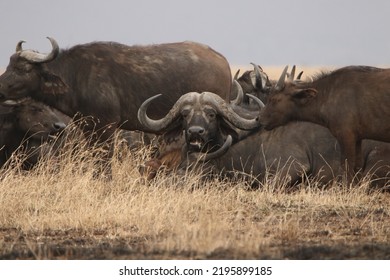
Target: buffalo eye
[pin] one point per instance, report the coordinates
(210, 113)
(211, 116)
(185, 113)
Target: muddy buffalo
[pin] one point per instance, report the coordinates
(26, 125)
(353, 102)
(109, 81)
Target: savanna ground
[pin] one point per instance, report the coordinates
(59, 211)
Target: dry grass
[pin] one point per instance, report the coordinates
(60, 211)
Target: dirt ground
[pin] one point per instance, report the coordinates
(76, 245)
(79, 245)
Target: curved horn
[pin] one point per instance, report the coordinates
(280, 83)
(161, 124)
(236, 75)
(36, 57)
(240, 94)
(257, 100)
(299, 75)
(19, 46)
(202, 157)
(221, 151)
(259, 78)
(228, 113)
(292, 74)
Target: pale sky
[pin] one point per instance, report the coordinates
(272, 32)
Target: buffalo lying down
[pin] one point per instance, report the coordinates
(198, 122)
(353, 102)
(27, 125)
(109, 81)
(295, 151)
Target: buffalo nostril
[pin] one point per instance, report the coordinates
(59, 126)
(196, 130)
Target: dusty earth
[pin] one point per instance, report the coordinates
(347, 243)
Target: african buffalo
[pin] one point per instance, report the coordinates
(198, 122)
(353, 102)
(109, 81)
(26, 124)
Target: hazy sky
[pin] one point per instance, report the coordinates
(272, 32)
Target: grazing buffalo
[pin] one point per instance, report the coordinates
(283, 151)
(109, 81)
(353, 102)
(26, 124)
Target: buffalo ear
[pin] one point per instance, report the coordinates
(52, 84)
(303, 96)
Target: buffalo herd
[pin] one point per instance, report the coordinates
(334, 126)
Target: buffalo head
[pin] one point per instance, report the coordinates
(254, 82)
(35, 118)
(205, 118)
(26, 124)
(24, 75)
(285, 101)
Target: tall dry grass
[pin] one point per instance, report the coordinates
(59, 204)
